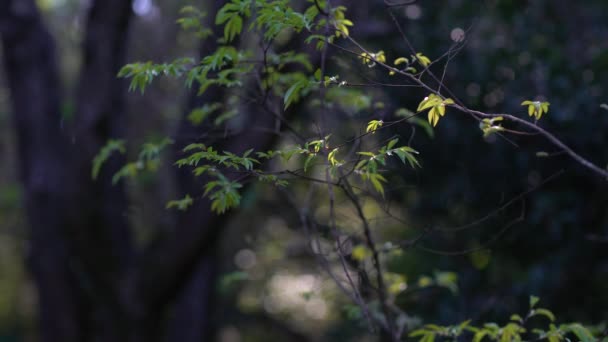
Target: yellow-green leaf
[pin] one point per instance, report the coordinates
(423, 60)
(401, 60)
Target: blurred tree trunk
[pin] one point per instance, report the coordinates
(31, 69)
(101, 237)
(92, 282)
(79, 236)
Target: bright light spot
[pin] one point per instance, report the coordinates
(413, 12)
(272, 304)
(287, 292)
(245, 259)
(146, 9)
(457, 34)
(316, 308)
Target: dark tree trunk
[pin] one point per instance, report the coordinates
(102, 237)
(31, 69)
(79, 235)
(91, 285)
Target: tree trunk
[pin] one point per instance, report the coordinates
(91, 285)
(101, 236)
(31, 69)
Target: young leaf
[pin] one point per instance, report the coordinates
(546, 313)
(181, 204)
(436, 106)
(423, 60)
(533, 301)
(536, 108)
(293, 93)
(373, 125)
(581, 332)
(113, 145)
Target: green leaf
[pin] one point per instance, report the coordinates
(331, 157)
(377, 179)
(533, 301)
(373, 125)
(181, 204)
(225, 116)
(293, 93)
(392, 143)
(546, 313)
(367, 154)
(428, 102)
(407, 153)
(516, 318)
(478, 337)
(436, 106)
(113, 145)
(423, 60)
(428, 129)
(309, 160)
(233, 27)
(360, 253)
(129, 170)
(581, 332)
(401, 60)
(198, 115)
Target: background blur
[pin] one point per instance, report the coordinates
(264, 284)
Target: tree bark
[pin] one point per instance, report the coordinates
(31, 69)
(101, 236)
(79, 235)
(92, 283)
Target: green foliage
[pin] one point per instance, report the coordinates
(373, 125)
(331, 158)
(198, 115)
(423, 60)
(514, 330)
(181, 204)
(148, 160)
(368, 167)
(191, 20)
(231, 16)
(340, 21)
(406, 65)
(536, 108)
(370, 59)
(287, 75)
(142, 74)
(447, 280)
(201, 152)
(295, 91)
(113, 145)
(489, 126)
(436, 106)
(223, 194)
